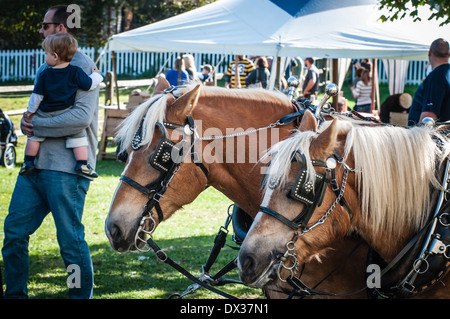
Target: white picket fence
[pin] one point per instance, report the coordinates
(22, 65)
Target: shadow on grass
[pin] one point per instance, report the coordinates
(137, 275)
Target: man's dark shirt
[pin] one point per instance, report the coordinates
(433, 95)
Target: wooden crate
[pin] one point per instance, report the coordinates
(113, 117)
(398, 118)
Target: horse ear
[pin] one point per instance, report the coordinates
(161, 85)
(325, 143)
(184, 105)
(308, 123)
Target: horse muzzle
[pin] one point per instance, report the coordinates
(118, 238)
(255, 273)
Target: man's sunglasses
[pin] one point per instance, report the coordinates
(46, 24)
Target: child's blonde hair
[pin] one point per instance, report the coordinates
(63, 44)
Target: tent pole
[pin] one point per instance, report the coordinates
(273, 74)
(179, 71)
(215, 69)
(116, 86)
(335, 77)
(377, 86)
(237, 77)
(278, 77)
(372, 94)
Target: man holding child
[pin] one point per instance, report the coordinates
(53, 185)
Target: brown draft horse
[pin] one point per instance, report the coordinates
(387, 176)
(216, 112)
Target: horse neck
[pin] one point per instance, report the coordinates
(386, 246)
(240, 180)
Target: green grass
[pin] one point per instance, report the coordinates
(187, 238)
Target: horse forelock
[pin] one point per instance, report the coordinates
(282, 153)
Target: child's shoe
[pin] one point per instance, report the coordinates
(26, 168)
(86, 169)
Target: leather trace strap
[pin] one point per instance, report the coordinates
(162, 256)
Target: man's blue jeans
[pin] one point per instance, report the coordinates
(34, 196)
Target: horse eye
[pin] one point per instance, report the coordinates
(288, 190)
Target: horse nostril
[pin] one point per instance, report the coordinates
(247, 271)
(115, 232)
(248, 264)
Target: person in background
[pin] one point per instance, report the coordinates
(206, 75)
(432, 98)
(177, 75)
(366, 64)
(189, 64)
(260, 75)
(245, 66)
(311, 82)
(363, 93)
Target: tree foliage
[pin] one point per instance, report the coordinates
(21, 19)
(398, 9)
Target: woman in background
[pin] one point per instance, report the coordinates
(177, 75)
(363, 93)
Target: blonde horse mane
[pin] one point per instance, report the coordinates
(395, 169)
(153, 110)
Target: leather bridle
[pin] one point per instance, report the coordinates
(312, 196)
(303, 191)
(167, 159)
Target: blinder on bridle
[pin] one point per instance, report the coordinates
(165, 159)
(167, 153)
(311, 194)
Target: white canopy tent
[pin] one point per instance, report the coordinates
(319, 28)
(287, 28)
